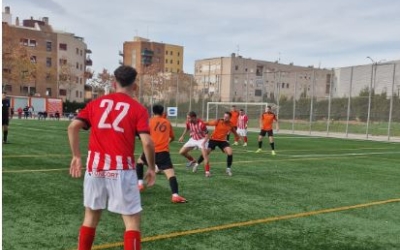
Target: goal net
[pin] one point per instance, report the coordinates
(253, 110)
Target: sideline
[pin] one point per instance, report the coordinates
(250, 223)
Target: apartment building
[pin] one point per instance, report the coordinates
(236, 78)
(381, 77)
(147, 56)
(72, 60)
(48, 53)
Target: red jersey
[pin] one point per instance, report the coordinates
(222, 129)
(161, 131)
(242, 121)
(114, 120)
(197, 130)
(267, 119)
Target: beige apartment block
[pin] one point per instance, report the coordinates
(151, 57)
(236, 78)
(72, 57)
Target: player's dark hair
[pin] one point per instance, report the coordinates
(233, 106)
(192, 114)
(158, 109)
(269, 107)
(241, 110)
(125, 75)
(228, 113)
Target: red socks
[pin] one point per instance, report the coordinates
(132, 240)
(86, 238)
(207, 167)
(245, 139)
(190, 158)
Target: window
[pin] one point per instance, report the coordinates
(258, 92)
(48, 46)
(48, 62)
(77, 65)
(8, 88)
(80, 94)
(81, 52)
(236, 67)
(166, 52)
(328, 88)
(287, 85)
(63, 46)
(166, 61)
(33, 59)
(77, 94)
(283, 85)
(76, 79)
(171, 53)
(23, 41)
(328, 78)
(80, 80)
(48, 91)
(63, 92)
(81, 67)
(32, 43)
(171, 61)
(77, 51)
(179, 53)
(178, 62)
(63, 61)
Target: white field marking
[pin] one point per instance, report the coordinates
(250, 223)
(182, 164)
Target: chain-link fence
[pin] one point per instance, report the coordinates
(360, 101)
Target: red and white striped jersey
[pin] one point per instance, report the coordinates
(197, 130)
(114, 120)
(242, 121)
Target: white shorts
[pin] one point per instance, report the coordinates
(118, 188)
(242, 131)
(192, 143)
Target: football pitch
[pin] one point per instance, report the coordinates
(316, 193)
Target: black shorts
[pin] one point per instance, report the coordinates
(5, 120)
(163, 160)
(264, 132)
(221, 144)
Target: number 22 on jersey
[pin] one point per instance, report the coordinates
(109, 106)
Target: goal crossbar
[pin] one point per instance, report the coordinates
(243, 104)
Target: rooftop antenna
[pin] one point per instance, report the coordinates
(237, 49)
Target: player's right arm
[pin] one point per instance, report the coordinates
(183, 134)
(148, 149)
(261, 120)
(73, 136)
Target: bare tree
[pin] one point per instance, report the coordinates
(103, 82)
(66, 78)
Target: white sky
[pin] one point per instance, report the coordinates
(306, 32)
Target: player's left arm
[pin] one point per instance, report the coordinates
(73, 136)
(276, 123)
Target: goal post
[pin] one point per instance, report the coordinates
(252, 109)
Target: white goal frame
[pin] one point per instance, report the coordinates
(244, 104)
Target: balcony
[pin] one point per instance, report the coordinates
(88, 74)
(121, 53)
(89, 62)
(88, 51)
(147, 52)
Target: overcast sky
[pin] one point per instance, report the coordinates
(306, 32)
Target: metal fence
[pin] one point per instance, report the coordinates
(360, 102)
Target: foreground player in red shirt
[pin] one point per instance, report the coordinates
(110, 178)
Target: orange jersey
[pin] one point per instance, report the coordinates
(222, 128)
(234, 117)
(267, 119)
(161, 131)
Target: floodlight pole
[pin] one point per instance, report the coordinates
(391, 101)
(349, 102)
